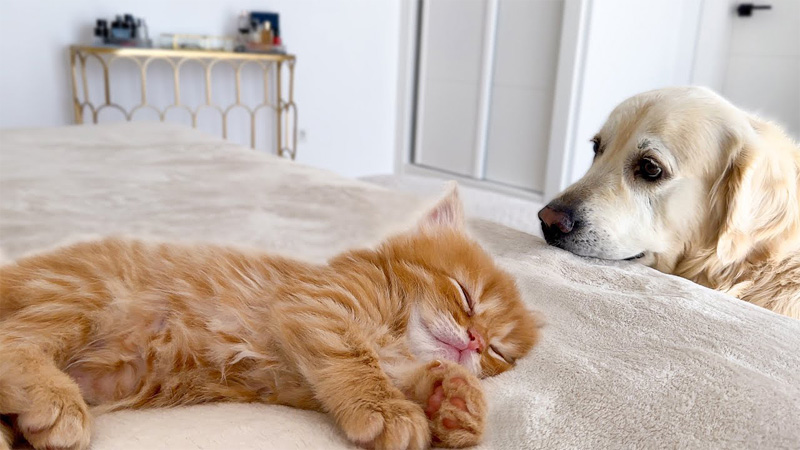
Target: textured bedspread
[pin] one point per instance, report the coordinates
(631, 358)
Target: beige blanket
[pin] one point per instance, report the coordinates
(631, 358)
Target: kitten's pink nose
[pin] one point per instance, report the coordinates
(476, 341)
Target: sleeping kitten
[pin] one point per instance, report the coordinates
(390, 342)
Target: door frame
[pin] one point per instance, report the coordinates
(569, 79)
(406, 84)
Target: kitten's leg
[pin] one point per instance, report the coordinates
(345, 375)
(453, 401)
(50, 410)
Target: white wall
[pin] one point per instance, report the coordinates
(346, 73)
(632, 46)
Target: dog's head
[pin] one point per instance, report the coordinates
(673, 168)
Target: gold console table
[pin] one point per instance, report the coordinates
(271, 66)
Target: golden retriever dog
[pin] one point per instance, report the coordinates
(685, 182)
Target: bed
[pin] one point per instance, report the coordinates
(630, 357)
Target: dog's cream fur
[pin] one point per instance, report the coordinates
(726, 213)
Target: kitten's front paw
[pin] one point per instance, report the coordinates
(6, 435)
(392, 424)
(57, 418)
(455, 405)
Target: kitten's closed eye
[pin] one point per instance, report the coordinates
(497, 354)
(466, 299)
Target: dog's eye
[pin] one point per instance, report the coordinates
(649, 169)
(596, 145)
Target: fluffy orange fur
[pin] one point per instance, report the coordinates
(389, 341)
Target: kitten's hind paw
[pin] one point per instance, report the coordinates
(455, 405)
(57, 418)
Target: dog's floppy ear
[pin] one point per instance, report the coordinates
(756, 193)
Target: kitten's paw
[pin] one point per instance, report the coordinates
(455, 405)
(6, 435)
(57, 419)
(396, 424)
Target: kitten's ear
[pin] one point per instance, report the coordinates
(447, 212)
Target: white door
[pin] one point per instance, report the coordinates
(449, 81)
(522, 88)
(762, 73)
(487, 73)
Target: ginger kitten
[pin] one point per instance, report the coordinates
(389, 341)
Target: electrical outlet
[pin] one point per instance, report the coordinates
(301, 135)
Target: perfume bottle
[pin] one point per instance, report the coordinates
(266, 33)
(142, 36)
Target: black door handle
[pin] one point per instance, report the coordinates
(746, 9)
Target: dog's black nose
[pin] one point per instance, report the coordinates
(556, 221)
